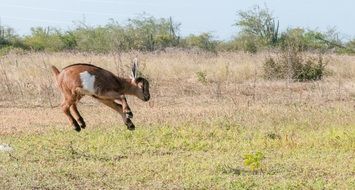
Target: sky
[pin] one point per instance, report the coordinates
(195, 16)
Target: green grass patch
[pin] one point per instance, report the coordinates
(186, 156)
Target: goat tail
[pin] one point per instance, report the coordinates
(55, 71)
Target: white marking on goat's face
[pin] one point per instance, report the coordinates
(87, 80)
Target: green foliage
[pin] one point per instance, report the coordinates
(312, 69)
(259, 30)
(292, 62)
(302, 40)
(8, 39)
(48, 39)
(4, 36)
(201, 77)
(203, 41)
(242, 42)
(69, 40)
(93, 39)
(253, 161)
(259, 23)
(142, 33)
(231, 45)
(349, 47)
(248, 43)
(153, 33)
(295, 65)
(310, 40)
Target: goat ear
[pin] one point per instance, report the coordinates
(134, 69)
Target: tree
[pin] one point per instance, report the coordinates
(8, 38)
(259, 22)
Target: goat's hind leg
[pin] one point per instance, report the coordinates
(79, 119)
(66, 109)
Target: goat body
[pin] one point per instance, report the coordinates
(78, 80)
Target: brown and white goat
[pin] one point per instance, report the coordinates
(78, 80)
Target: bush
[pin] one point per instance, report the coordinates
(302, 40)
(93, 39)
(274, 70)
(142, 33)
(69, 40)
(254, 161)
(312, 69)
(310, 40)
(44, 39)
(202, 77)
(203, 41)
(151, 33)
(9, 40)
(294, 65)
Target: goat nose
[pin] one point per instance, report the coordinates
(146, 98)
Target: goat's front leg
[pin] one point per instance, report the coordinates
(118, 108)
(125, 107)
(119, 99)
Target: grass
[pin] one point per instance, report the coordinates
(186, 156)
(194, 133)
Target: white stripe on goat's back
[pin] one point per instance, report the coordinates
(88, 80)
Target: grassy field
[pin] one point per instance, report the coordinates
(207, 113)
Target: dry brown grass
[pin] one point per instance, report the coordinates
(233, 82)
(28, 74)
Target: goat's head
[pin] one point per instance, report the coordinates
(143, 88)
(141, 83)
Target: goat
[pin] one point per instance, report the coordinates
(78, 80)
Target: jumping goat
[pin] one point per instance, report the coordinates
(78, 80)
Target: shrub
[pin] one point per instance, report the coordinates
(311, 40)
(253, 161)
(274, 70)
(69, 40)
(44, 39)
(295, 65)
(203, 41)
(142, 33)
(91, 39)
(312, 69)
(9, 40)
(201, 77)
(302, 40)
(250, 45)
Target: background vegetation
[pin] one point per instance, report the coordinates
(259, 31)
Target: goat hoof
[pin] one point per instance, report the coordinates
(83, 126)
(82, 123)
(76, 127)
(130, 126)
